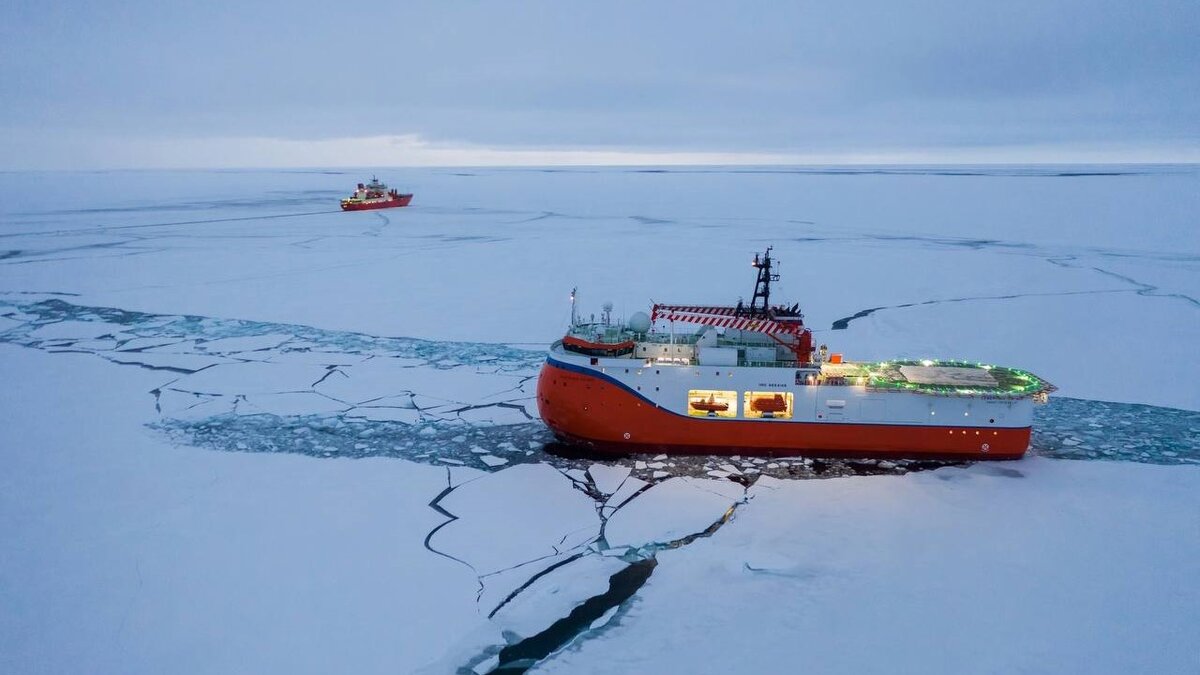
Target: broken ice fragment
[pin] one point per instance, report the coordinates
(487, 665)
(515, 515)
(607, 478)
(243, 344)
(628, 488)
(670, 510)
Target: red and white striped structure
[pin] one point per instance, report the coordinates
(731, 317)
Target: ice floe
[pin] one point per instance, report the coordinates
(669, 510)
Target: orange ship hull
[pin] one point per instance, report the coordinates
(588, 410)
(402, 200)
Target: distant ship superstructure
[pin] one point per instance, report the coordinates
(746, 379)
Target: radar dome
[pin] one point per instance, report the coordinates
(639, 322)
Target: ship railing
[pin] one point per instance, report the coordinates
(609, 335)
(666, 338)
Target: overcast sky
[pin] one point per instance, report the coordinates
(299, 83)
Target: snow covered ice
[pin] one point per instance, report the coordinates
(241, 425)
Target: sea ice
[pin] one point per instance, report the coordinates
(513, 516)
(607, 478)
(250, 343)
(557, 593)
(674, 508)
(629, 487)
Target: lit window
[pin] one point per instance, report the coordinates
(712, 403)
(768, 404)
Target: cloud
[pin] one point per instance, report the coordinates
(615, 82)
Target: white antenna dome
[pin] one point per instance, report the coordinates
(639, 322)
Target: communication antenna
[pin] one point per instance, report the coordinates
(762, 287)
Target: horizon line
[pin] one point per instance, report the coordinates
(667, 165)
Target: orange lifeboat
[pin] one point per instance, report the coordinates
(710, 406)
(773, 404)
(581, 346)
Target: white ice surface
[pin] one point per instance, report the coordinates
(1042, 566)
(244, 344)
(290, 403)
(1045, 272)
(386, 414)
(629, 487)
(126, 554)
(514, 516)
(608, 477)
(6, 323)
(193, 362)
(252, 378)
(670, 510)
(74, 330)
(557, 593)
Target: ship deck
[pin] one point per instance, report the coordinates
(939, 377)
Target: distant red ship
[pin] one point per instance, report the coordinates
(374, 195)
